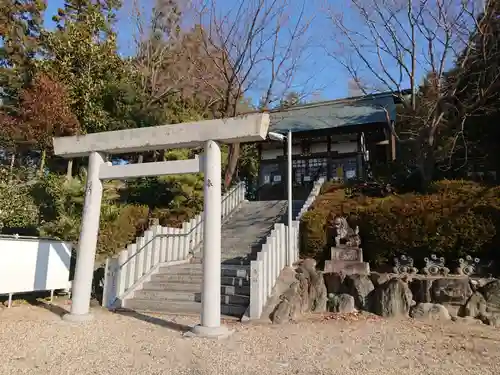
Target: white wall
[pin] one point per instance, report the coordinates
(341, 148)
(271, 154)
(345, 147)
(32, 264)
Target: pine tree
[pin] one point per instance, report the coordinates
(82, 54)
(20, 28)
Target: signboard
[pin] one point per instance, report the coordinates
(350, 174)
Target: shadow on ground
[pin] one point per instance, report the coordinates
(55, 309)
(156, 321)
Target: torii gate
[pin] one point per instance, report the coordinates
(247, 128)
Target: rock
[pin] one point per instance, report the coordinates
(334, 282)
(360, 287)
(289, 307)
(305, 302)
(491, 320)
(317, 292)
(453, 309)
(392, 299)
(466, 320)
(475, 306)
(341, 303)
(483, 281)
(307, 293)
(379, 278)
(430, 311)
(308, 264)
(421, 289)
(491, 294)
(450, 290)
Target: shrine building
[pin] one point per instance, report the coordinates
(336, 139)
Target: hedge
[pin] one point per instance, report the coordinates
(130, 222)
(455, 219)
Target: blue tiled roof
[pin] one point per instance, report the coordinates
(334, 114)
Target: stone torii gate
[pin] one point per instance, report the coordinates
(247, 128)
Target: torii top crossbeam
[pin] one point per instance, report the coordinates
(245, 128)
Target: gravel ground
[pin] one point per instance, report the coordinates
(36, 341)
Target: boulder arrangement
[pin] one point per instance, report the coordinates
(443, 297)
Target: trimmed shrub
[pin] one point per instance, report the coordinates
(455, 219)
(18, 211)
(173, 217)
(130, 222)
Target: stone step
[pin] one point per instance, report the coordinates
(178, 307)
(195, 288)
(197, 279)
(177, 278)
(165, 295)
(174, 287)
(229, 270)
(177, 289)
(191, 269)
(236, 262)
(235, 281)
(181, 296)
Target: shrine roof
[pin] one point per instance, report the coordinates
(335, 113)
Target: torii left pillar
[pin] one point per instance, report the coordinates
(84, 272)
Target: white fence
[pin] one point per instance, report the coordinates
(31, 264)
(274, 256)
(159, 246)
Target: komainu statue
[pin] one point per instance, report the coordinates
(344, 234)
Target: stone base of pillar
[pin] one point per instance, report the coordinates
(77, 318)
(209, 332)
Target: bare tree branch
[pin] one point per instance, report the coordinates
(157, 42)
(395, 43)
(257, 46)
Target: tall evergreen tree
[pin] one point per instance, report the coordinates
(20, 27)
(82, 54)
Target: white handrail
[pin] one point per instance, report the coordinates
(159, 245)
(275, 256)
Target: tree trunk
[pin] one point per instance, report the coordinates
(12, 161)
(42, 161)
(426, 165)
(69, 170)
(234, 154)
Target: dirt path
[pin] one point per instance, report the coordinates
(36, 341)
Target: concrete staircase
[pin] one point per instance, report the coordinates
(177, 289)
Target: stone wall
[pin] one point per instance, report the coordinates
(460, 298)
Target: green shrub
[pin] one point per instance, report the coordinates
(174, 217)
(130, 222)
(313, 233)
(61, 205)
(18, 211)
(457, 218)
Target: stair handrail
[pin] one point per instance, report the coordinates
(156, 236)
(118, 280)
(276, 254)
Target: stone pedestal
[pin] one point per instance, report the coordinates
(347, 260)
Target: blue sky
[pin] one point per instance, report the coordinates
(330, 81)
(321, 72)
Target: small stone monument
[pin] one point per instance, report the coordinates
(346, 256)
